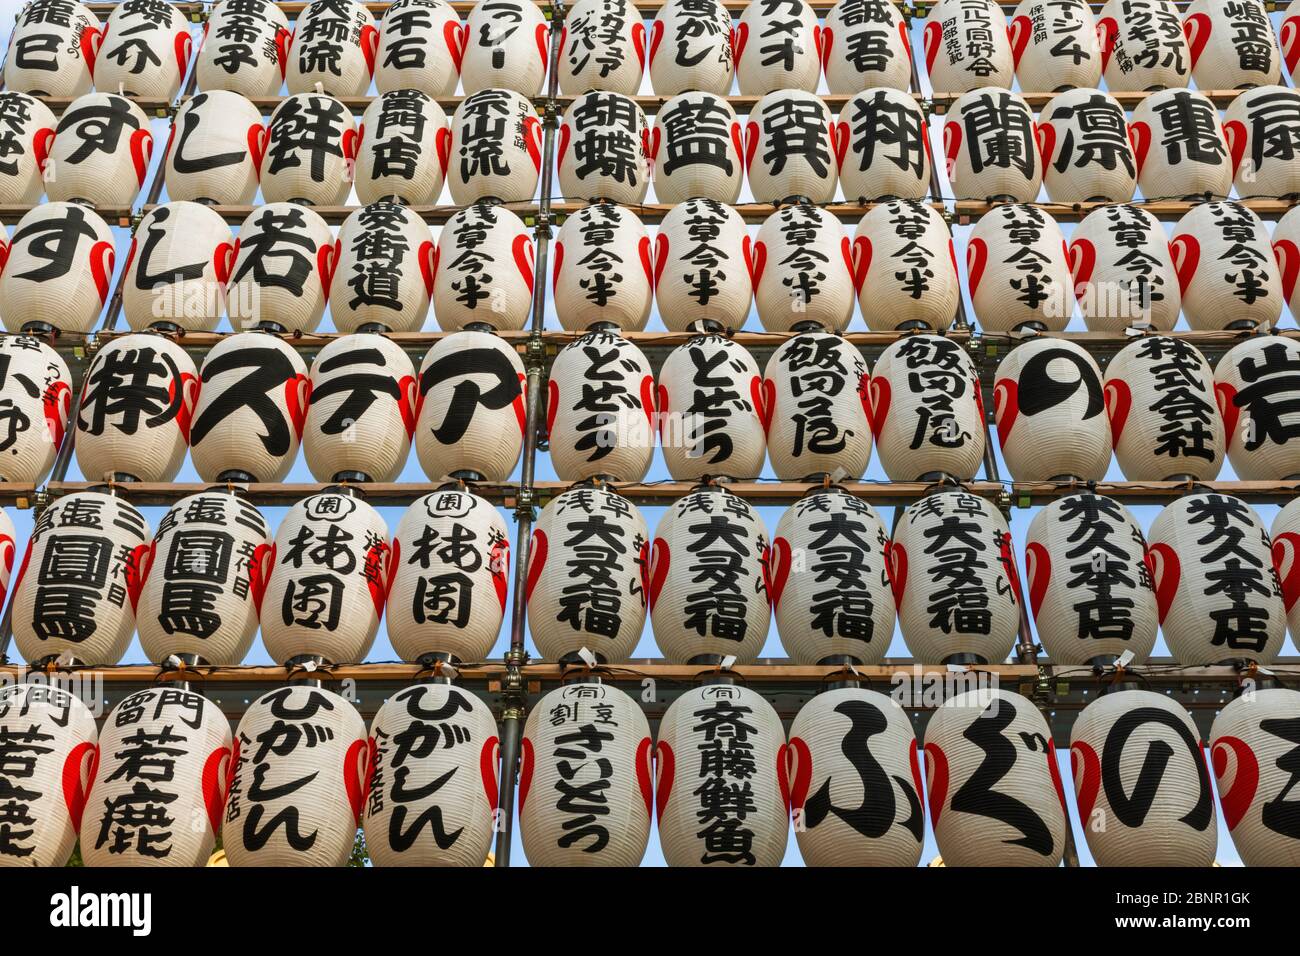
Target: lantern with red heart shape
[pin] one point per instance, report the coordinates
(696, 150)
(969, 826)
(321, 785)
(454, 782)
(687, 734)
(803, 270)
(1232, 45)
(702, 266)
(1202, 621)
(1142, 46)
(590, 240)
(560, 574)
(1009, 245)
(389, 238)
(817, 538)
(245, 43)
(333, 49)
(67, 35)
(825, 783)
(790, 148)
(966, 46)
(691, 48)
(603, 144)
(310, 151)
(988, 139)
(37, 390)
(483, 270)
(1084, 146)
(1256, 389)
(710, 408)
(853, 26)
(1055, 47)
(1286, 252)
(89, 617)
(100, 153)
(1252, 123)
(514, 151)
(882, 147)
(252, 404)
(1086, 551)
(927, 385)
(1123, 270)
(891, 241)
(30, 128)
(783, 40)
(1179, 145)
(1226, 268)
(421, 44)
(216, 545)
(422, 560)
(215, 150)
(145, 51)
(603, 48)
(177, 269)
(50, 784)
(409, 124)
(507, 47)
(284, 259)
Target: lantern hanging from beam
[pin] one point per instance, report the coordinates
(421, 46)
(144, 51)
(603, 269)
(36, 399)
(1018, 270)
(333, 50)
(882, 147)
(702, 261)
(784, 43)
(697, 150)
(691, 48)
(1228, 276)
(179, 262)
(284, 262)
(507, 46)
(52, 49)
(1123, 270)
(1254, 124)
(311, 150)
(404, 148)
(1256, 390)
(790, 151)
(905, 268)
(383, 270)
(803, 271)
(604, 147)
(483, 270)
(1231, 45)
(59, 252)
(1179, 145)
(967, 46)
(1142, 46)
(496, 147)
(214, 150)
(865, 46)
(1055, 46)
(1084, 146)
(602, 47)
(100, 154)
(245, 48)
(988, 139)
(29, 126)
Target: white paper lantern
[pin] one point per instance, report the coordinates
(1123, 270)
(8, 551)
(204, 577)
(1055, 45)
(713, 741)
(382, 277)
(496, 147)
(29, 132)
(955, 582)
(1260, 128)
(708, 579)
(1228, 277)
(52, 49)
(602, 47)
(421, 46)
(710, 409)
(49, 736)
(837, 604)
(588, 567)
(1289, 34)
(1018, 270)
(1259, 398)
(1179, 145)
(1090, 588)
(803, 270)
(100, 154)
(783, 40)
(405, 145)
(1083, 143)
(816, 403)
(79, 581)
(865, 45)
(1163, 418)
(585, 795)
(215, 150)
(297, 781)
(855, 781)
(144, 51)
(483, 270)
(470, 410)
(790, 148)
(905, 268)
(993, 784)
(966, 46)
(136, 408)
(1231, 45)
(988, 139)
(311, 149)
(1286, 252)
(507, 47)
(600, 409)
(1249, 744)
(1285, 533)
(160, 784)
(36, 401)
(702, 266)
(603, 269)
(177, 268)
(604, 146)
(695, 36)
(927, 414)
(1142, 46)
(251, 410)
(284, 261)
(59, 252)
(333, 49)
(1050, 413)
(697, 150)
(245, 48)
(1141, 781)
(451, 564)
(432, 796)
(331, 565)
(882, 147)
(362, 412)
(1217, 589)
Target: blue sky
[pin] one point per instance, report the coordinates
(382, 650)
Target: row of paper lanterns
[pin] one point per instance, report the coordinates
(301, 774)
(1208, 574)
(384, 271)
(59, 49)
(1082, 148)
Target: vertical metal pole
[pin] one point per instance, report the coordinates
(513, 691)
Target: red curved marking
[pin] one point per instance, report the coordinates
(660, 559)
(214, 791)
(1236, 800)
(1288, 263)
(861, 261)
(1225, 395)
(751, 143)
(1054, 768)
(739, 38)
(1139, 135)
(1083, 260)
(1197, 29)
(522, 250)
(1290, 35)
(141, 150)
(354, 777)
(487, 768)
(259, 573)
(880, 399)
(428, 257)
(1018, 33)
(1086, 768)
(555, 269)
(1234, 131)
(543, 34)
(102, 258)
(933, 39)
(656, 37)
(764, 399)
(525, 771)
(779, 563)
(533, 140)
(648, 400)
(1185, 250)
(327, 256)
(896, 569)
(936, 771)
(136, 570)
(1162, 562)
(57, 405)
(1107, 37)
(1039, 565)
(452, 37)
(638, 43)
(1006, 407)
(1119, 402)
(647, 262)
(1287, 546)
(665, 768)
(660, 258)
(75, 795)
(644, 774)
(798, 772)
(1045, 137)
(951, 145)
(369, 45)
(824, 48)
(977, 257)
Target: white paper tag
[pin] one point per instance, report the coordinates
(588, 658)
(728, 662)
(1125, 659)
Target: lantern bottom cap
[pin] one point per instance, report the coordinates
(965, 657)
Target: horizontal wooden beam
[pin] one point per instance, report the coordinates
(113, 215)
